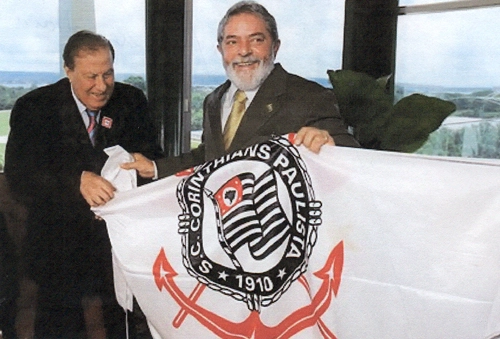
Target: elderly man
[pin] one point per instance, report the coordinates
(54, 157)
(259, 100)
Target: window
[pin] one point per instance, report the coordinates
(311, 35)
(124, 24)
(30, 55)
(420, 2)
(453, 54)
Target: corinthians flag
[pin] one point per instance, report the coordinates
(274, 241)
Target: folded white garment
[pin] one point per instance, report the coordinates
(123, 180)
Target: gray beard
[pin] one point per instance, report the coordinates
(256, 79)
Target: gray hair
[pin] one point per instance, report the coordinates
(250, 7)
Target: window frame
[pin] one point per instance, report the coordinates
(447, 6)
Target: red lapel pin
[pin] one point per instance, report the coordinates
(107, 122)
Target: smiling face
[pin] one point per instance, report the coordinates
(247, 50)
(92, 77)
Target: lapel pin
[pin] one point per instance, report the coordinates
(107, 122)
(269, 108)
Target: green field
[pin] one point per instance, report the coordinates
(4, 122)
(4, 131)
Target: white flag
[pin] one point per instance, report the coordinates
(277, 242)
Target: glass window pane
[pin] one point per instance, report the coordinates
(454, 55)
(29, 36)
(311, 35)
(419, 2)
(30, 55)
(124, 24)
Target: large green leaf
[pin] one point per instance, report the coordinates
(361, 98)
(414, 118)
(379, 124)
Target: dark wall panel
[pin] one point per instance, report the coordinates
(370, 36)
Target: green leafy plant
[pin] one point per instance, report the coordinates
(378, 123)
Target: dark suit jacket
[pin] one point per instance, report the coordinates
(284, 103)
(47, 150)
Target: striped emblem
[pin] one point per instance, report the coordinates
(250, 214)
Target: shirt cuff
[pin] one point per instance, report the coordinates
(156, 171)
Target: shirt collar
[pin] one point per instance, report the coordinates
(81, 107)
(79, 104)
(250, 94)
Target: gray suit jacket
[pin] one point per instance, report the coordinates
(283, 104)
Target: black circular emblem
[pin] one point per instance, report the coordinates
(248, 222)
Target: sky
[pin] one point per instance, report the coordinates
(459, 49)
(29, 35)
(311, 34)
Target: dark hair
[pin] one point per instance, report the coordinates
(84, 40)
(250, 7)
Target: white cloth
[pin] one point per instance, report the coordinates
(408, 247)
(123, 180)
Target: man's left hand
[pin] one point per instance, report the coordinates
(313, 138)
(95, 189)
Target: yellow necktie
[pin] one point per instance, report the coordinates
(234, 118)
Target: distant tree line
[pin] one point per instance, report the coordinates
(445, 141)
(9, 95)
(473, 140)
(136, 81)
(482, 104)
(198, 94)
(481, 140)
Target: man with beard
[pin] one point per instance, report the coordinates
(275, 101)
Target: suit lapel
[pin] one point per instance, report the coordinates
(108, 120)
(214, 118)
(100, 137)
(71, 119)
